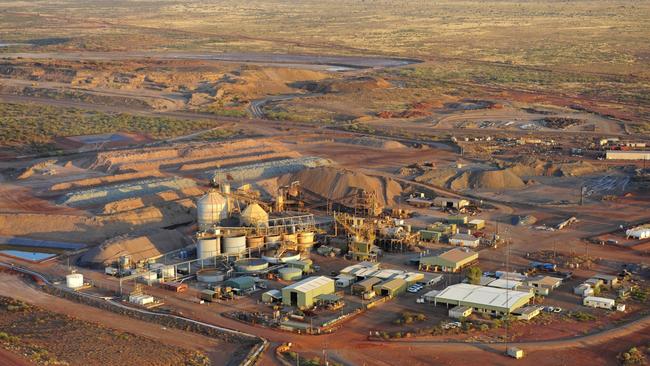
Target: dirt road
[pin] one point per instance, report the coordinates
(326, 62)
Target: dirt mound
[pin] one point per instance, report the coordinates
(255, 82)
(90, 182)
(437, 177)
(40, 167)
(531, 167)
(487, 179)
(375, 143)
(351, 85)
(150, 244)
(417, 109)
(337, 184)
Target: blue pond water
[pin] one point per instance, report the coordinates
(30, 256)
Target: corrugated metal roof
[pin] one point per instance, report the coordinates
(504, 283)
(393, 284)
(310, 283)
(457, 255)
(490, 296)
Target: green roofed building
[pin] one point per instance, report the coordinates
(303, 294)
(243, 283)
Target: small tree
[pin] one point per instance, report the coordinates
(474, 274)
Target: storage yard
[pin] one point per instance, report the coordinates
(256, 198)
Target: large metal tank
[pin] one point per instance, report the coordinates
(74, 280)
(251, 265)
(207, 246)
(272, 238)
(211, 209)
(210, 275)
(254, 215)
(225, 188)
(233, 245)
(271, 257)
(290, 237)
(306, 238)
(290, 274)
(254, 241)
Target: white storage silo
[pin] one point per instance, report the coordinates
(74, 280)
(211, 209)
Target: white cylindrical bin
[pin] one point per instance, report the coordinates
(74, 280)
(207, 247)
(233, 245)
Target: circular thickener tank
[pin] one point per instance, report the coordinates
(272, 238)
(290, 237)
(210, 276)
(254, 241)
(233, 245)
(207, 247)
(289, 256)
(251, 265)
(211, 209)
(74, 280)
(290, 274)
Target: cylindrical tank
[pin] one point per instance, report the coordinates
(272, 238)
(211, 209)
(233, 245)
(74, 280)
(225, 188)
(306, 238)
(254, 241)
(290, 274)
(210, 275)
(288, 256)
(251, 265)
(290, 237)
(207, 247)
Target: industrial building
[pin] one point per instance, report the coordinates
(599, 302)
(607, 280)
(491, 300)
(464, 240)
(244, 283)
(476, 224)
(627, 155)
(390, 288)
(303, 294)
(365, 285)
(448, 202)
(543, 285)
(450, 261)
(527, 312)
(460, 312)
